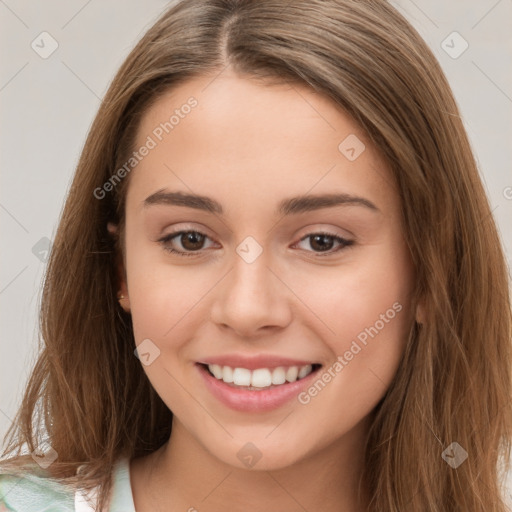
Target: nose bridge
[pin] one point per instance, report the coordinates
(251, 296)
(251, 280)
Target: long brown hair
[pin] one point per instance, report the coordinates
(88, 394)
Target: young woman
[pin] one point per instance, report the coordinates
(276, 283)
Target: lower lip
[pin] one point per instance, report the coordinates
(253, 401)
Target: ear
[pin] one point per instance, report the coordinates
(122, 293)
(421, 315)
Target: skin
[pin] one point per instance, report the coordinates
(248, 146)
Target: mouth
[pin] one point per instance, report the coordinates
(257, 389)
(260, 378)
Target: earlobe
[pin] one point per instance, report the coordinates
(420, 313)
(112, 228)
(124, 301)
(122, 294)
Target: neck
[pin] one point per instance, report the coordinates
(183, 476)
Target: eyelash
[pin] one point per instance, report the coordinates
(167, 238)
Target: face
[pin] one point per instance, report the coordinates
(264, 319)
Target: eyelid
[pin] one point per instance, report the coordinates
(345, 242)
(166, 239)
(340, 239)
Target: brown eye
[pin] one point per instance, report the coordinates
(321, 242)
(188, 242)
(192, 240)
(324, 242)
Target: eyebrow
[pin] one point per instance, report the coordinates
(289, 206)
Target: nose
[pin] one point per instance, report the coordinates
(252, 299)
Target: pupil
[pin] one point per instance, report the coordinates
(194, 238)
(325, 240)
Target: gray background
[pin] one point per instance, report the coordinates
(49, 103)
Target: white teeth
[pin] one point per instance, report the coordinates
(305, 370)
(227, 375)
(278, 376)
(261, 377)
(216, 370)
(292, 373)
(241, 377)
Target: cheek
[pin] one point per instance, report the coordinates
(161, 294)
(363, 366)
(163, 300)
(367, 309)
(165, 303)
(366, 290)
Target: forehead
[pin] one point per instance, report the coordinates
(242, 135)
(249, 110)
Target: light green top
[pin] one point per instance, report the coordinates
(36, 492)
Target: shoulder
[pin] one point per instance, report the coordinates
(33, 491)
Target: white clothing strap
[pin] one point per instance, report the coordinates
(84, 498)
(81, 502)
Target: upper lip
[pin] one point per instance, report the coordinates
(254, 362)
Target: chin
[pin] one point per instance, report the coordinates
(261, 454)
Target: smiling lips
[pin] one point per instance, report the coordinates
(260, 378)
(255, 384)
